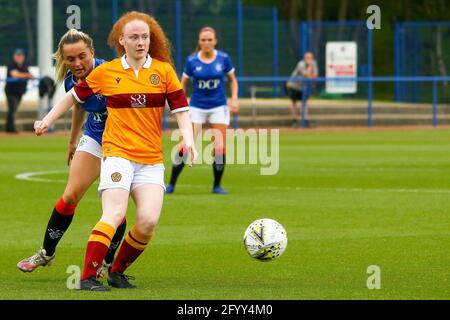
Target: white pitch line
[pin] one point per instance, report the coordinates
(382, 190)
(31, 176)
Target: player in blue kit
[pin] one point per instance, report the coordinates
(207, 68)
(74, 61)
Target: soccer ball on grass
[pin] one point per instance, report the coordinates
(265, 239)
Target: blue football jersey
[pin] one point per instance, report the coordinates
(208, 80)
(95, 105)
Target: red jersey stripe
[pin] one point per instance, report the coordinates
(177, 99)
(142, 100)
(82, 91)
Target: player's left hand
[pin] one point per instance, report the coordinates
(193, 153)
(234, 105)
(71, 153)
(40, 127)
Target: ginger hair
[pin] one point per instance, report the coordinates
(160, 47)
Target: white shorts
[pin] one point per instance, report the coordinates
(125, 174)
(219, 115)
(89, 145)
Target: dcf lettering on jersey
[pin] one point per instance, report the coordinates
(211, 84)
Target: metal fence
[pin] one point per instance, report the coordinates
(258, 43)
(262, 47)
(420, 49)
(315, 35)
(370, 81)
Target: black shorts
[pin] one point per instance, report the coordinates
(295, 94)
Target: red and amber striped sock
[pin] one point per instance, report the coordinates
(134, 244)
(97, 247)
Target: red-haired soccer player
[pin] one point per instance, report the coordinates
(74, 60)
(136, 87)
(207, 68)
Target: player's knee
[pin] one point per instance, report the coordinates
(219, 157)
(71, 197)
(114, 217)
(146, 225)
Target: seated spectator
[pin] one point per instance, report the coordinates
(306, 68)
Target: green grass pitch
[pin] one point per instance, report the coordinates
(348, 200)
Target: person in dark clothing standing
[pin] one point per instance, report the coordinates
(16, 86)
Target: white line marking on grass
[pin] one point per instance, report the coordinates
(31, 176)
(360, 169)
(382, 190)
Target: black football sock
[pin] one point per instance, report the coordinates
(58, 223)
(177, 166)
(115, 242)
(218, 168)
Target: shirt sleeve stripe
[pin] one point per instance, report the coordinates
(82, 91)
(177, 99)
(180, 109)
(74, 94)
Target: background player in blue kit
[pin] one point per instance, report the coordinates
(74, 61)
(207, 69)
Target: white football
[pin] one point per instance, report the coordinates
(265, 239)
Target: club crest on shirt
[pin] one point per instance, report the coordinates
(154, 79)
(116, 177)
(219, 67)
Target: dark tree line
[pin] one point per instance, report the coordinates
(353, 10)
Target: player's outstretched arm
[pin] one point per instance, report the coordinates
(41, 126)
(184, 82)
(234, 86)
(78, 117)
(185, 125)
